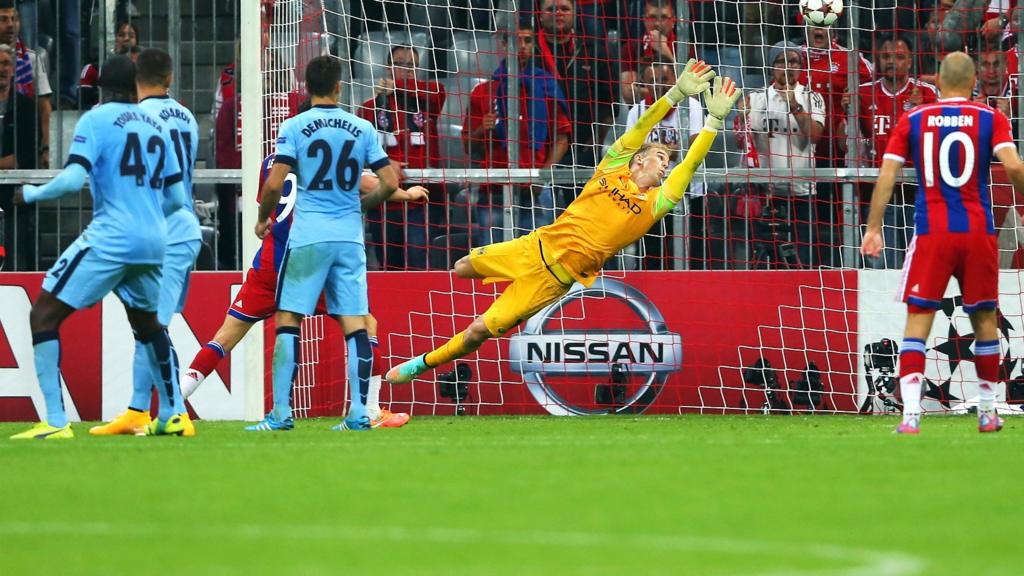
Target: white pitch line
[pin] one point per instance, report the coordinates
(866, 562)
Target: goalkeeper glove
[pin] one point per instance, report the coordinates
(720, 101)
(696, 78)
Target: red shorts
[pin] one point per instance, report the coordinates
(257, 299)
(973, 259)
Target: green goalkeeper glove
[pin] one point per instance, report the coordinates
(720, 101)
(696, 78)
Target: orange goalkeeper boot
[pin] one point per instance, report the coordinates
(129, 422)
(389, 419)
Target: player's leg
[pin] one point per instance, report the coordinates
(227, 337)
(301, 280)
(346, 294)
(139, 291)
(255, 301)
(926, 272)
(77, 280)
(379, 417)
(503, 261)
(979, 284)
(919, 324)
(45, 319)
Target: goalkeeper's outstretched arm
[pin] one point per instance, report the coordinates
(719, 103)
(696, 78)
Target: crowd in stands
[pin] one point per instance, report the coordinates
(583, 71)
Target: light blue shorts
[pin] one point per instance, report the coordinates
(178, 262)
(81, 278)
(338, 269)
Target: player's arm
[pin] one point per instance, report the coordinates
(71, 179)
(368, 182)
(81, 157)
(872, 243)
(695, 78)
(387, 184)
(719, 104)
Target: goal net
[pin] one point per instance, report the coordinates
(751, 296)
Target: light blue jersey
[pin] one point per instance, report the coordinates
(327, 149)
(182, 226)
(127, 154)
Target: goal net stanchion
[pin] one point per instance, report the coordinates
(784, 316)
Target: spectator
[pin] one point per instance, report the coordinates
(787, 120)
(30, 76)
(682, 123)
(126, 36)
(657, 44)
(827, 73)
(880, 105)
(994, 87)
(226, 84)
(405, 111)
(17, 151)
(587, 77)
(543, 137)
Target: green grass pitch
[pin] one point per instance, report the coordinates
(704, 495)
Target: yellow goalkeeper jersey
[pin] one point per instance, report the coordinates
(610, 214)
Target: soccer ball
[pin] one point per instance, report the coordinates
(821, 12)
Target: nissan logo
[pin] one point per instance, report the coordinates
(654, 351)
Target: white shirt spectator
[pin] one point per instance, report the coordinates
(674, 131)
(777, 136)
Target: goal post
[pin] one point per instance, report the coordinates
(251, 91)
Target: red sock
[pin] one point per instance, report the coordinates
(378, 366)
(986, 360)
(208, 358)
(912, 357)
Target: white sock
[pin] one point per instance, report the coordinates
(190, 381)
(373, 398)
(986, 396)
(910, 390)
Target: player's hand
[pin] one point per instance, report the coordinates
(696, 78)
(417, 193)
(872, 243)
(720, 101)
(263, 228)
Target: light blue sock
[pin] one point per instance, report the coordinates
(142, 379)
(286, 364)
(158, 350)
(360, 365)
(46, 346)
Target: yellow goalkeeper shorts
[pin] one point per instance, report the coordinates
(533, 283)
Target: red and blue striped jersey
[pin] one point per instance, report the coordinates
(951, 143)
(271, 252)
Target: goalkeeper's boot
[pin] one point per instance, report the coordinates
(271, 424)
(408, 370)
(989, 422)
(910, 425)
(43, 431)
(187, 427)
(389, 419)
(354, 424)
(173, 426)
(128, 422)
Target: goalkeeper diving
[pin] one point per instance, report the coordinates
(617, 206)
